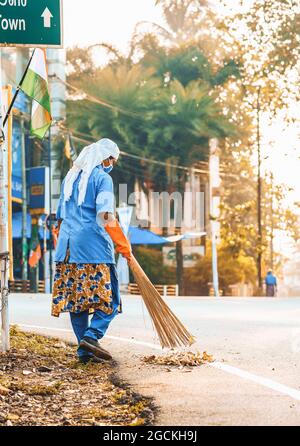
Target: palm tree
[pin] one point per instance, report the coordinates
(177, 52)
(182, 19)
(116, 105)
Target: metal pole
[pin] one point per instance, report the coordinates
(272, 224)
(259, 186)
(50, 209)
(179, 246)
(24, 207)
(214, 261)
(214, 182)
(9, 186)
(179, 264)
(3, 235)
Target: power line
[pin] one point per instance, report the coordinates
(98, 101)
(140, 158)
(149, 160)
(112, 106)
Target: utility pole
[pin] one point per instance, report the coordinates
(214, 185)
(272, 224)
(50, 209)
(259, 187)
(24, 209)
(3, 234)
(179, 263)
(179, 247)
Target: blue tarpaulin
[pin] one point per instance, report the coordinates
(139, 236)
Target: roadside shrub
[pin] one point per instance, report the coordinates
(231, 269)
(151, 260)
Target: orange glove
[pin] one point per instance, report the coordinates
(55, 234)
(117, 235)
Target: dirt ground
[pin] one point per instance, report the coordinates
(42, 384)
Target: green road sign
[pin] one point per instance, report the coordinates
(34, 23)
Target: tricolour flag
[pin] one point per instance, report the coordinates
(35, 85)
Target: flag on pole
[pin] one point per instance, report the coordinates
(35, 256)
(70, 151)
(35, 85)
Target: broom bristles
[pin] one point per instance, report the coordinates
(171, 332)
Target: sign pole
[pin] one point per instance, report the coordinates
(9, 184)
(3, 234)
(50, 209)
(24, 208)
(214, 181)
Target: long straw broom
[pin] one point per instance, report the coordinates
(170, 330)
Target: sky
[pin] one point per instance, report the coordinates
(94, 21)
(113, 21)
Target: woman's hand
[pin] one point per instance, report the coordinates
(115, 232)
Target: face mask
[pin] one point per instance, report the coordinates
(108, 169)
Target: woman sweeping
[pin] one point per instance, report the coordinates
(85, 278)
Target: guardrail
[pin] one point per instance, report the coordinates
(164, 290)
(23, 286)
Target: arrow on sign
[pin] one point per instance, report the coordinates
(47, 16)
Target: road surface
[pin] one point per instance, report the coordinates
(255, 342)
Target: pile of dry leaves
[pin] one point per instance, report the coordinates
(180, 359)
(41, 383)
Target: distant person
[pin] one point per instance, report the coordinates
(271, 284)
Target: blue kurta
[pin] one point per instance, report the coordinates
(87, 241)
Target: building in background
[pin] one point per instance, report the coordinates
(150, 212)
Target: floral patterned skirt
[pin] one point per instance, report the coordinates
(81, 287)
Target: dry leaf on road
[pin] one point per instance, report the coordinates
(185, 359)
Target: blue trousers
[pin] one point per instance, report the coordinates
(100, 321)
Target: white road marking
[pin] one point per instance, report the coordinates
(265, 382)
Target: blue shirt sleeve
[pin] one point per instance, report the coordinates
(105, 199)
(58, 211)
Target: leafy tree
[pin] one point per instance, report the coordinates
(268, 56)
(232, 270)
(269, 35)
(79, 63)
(148, 118)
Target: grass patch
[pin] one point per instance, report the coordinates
(40, 345)
(38, 389)
(67, 392)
